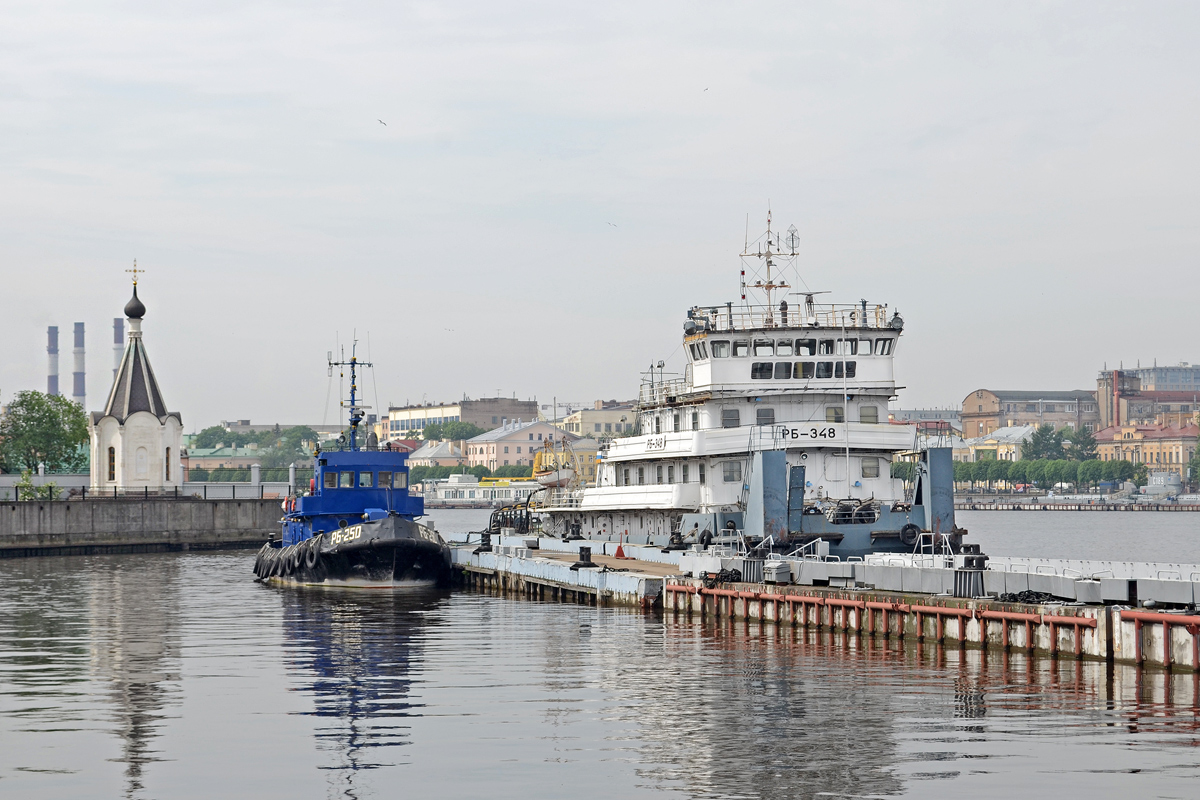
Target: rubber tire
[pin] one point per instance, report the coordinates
(909, 534)
(311, 556)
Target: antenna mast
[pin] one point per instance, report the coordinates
(355, 410)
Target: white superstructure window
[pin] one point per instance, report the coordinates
(730, 418)
(741, 349)
(764, 347)
(731, 471)
(834, 414)
(720, 349)
(783, 347)
(868, 414)
(764, 416)
(883, 347)
(870, 467)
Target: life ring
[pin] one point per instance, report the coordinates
(909, 534)
(311, 556)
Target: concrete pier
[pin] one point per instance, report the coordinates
(33, 528)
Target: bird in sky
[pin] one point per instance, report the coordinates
(384, 124)
(613, 224)
(706, 88)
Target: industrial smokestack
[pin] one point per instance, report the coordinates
(52, 349)
(79, 392)
(118, 344)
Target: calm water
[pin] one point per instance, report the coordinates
(176, 676)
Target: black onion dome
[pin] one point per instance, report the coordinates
(134, 308)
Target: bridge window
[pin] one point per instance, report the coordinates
(783, 347)
(731, 471)
(864, 347)
(763, 347)
(720, 349)
(346, 480)
(883, 347)
(783, 370)
(824, 369)
(868, 414)
(803, 369)
(761, 370)
(825, 347)
(385, 480)
(851, 368)
(806, 347)
(730, 418)
(330, 480)
(741, 349)
(764, 416)
(870, 467)
(846, 347)
(366, 480)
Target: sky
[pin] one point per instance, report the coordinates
(526, 197)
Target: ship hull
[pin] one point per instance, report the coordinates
(388, 552)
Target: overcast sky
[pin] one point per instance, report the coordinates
(557, 183)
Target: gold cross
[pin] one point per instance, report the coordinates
(135, 271)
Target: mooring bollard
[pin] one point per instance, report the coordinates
(585, 559)
(485, 543)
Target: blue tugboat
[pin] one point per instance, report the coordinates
(358, 523)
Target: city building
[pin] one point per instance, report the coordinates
(1183, 377)
(1003, 444)
(1163, 448)
(222, 457)
(324, 432)
(986, 410)
(605, 420)
(513, 444)
(407, 422)
(136, 442)
(1124, 400)
(438, 454)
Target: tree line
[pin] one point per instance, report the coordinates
(1043, 473)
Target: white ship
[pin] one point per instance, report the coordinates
(769, 386)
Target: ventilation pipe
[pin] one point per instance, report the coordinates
(79, 392)
(52, 349)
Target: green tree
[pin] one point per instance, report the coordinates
(1090, 472)
(44, 429)
(1043, 443)
(1018, 472)
(288, 447)
(998, 470)
(1036, 472)
(962, 472)
(1141, 475)
(1081, 444)
(904, 470)
(1194, 467)
(513, 471)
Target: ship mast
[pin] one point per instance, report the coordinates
(356, 411)
(769, 248)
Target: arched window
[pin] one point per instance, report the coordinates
(112, 463)
(168, 464)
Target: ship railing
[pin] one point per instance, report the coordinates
(823, 315)
(562, 498)
(663, 391)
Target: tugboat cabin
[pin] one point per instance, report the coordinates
(349, 487)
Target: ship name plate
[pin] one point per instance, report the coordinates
(821, 432)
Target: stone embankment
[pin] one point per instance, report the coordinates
(128, 525)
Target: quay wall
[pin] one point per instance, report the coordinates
(37, 528)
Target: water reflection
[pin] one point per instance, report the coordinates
(355, 653)
(72, 627)
(133, 607)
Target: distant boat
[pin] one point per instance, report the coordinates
(555, 466)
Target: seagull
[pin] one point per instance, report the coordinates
(612, 224)
(384, 124)
(706, 88)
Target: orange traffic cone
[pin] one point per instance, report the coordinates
(620, 554)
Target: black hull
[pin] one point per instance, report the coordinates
(386, 552)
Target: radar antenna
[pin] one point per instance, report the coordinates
(355, 410)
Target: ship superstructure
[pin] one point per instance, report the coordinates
(765, 374)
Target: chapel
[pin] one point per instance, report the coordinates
(135, 440)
